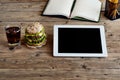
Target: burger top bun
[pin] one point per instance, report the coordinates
(34, 28)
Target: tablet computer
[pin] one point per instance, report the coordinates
(79, 41)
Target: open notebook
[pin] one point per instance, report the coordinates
(74, 9)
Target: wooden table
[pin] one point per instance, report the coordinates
(39, 64)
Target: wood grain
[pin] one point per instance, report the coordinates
(39, 64)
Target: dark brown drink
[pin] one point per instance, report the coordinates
(13, 35)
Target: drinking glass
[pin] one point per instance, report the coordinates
(13, 34)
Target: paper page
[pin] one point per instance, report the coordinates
(89, 9)
(59, 7)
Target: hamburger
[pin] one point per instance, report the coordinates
(35, 35)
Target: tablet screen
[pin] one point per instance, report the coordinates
(79, 40)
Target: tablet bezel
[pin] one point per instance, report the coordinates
(102, 35)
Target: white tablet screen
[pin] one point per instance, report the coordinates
(79, 40)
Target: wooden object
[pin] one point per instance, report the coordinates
(39, 64)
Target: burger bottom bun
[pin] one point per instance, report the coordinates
(37, 46)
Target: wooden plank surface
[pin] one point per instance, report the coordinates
(39, 64)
